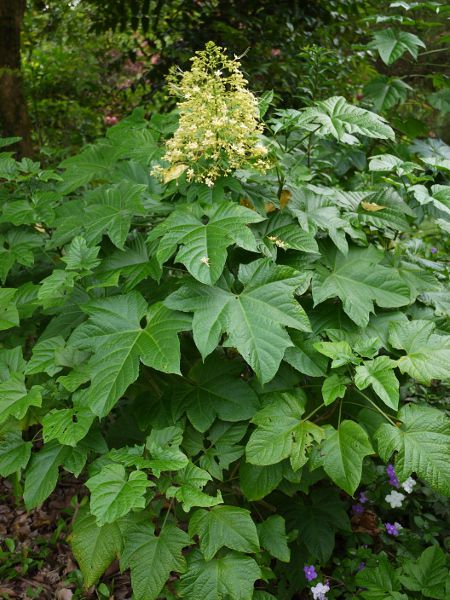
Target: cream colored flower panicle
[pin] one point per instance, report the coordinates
(219, 128)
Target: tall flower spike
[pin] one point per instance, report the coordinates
(219, 128)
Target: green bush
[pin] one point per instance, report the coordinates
(224, 364)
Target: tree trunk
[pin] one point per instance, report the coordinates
(14, 119)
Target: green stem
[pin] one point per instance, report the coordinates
(387, 417)
(313, 412)
(167, 514)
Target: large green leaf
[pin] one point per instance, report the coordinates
(272, 537)
(203, 236)
(254, 319)
(94, 547)
(9, 316)
(256, 482)
(224, 526)
(230, 576)
(427, 354)
(14, 453)
(393, 43)
(317, 517)
(423, 445)
(113, 332)
(343, 454)
(110, 210)
(380, 581)
(427, 575)
(336, 117)
(439, 197)
(359, 280)
(113, 494)
(379, 374)
(281, 433)
(215, 389)
(42, 473)
(385, 92)
(152, 558)
(67, 425)
(15, 399)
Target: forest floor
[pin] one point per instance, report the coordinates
(35, 557)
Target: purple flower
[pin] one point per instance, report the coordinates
(363, 497)
(361, 566)
(357, 509)
(310, 572)
(433, 250)
(391, 529)
(393, 480)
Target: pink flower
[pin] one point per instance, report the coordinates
(275, 52)
(110, 120)
(156, 58)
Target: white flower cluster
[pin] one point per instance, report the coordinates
(218, 130)
(319, 591)
(395, 499)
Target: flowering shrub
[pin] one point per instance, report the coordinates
(226, 366)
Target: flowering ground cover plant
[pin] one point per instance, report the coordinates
(218, 340)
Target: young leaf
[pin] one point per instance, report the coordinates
(203, 246)
(79, 257)
(340, 352)
(279, 432)
(255, 319)
(272, 537)
(94, 547)
(334, 386)
(427, 354)
(14, 453)
(188, 487)
(152, 558)
(224, 526)
(393, 43)
(379, 374)
(164, 447)
(422, 443)
(113, 332)
(42, 473)
(113, 495)
(232, 575)
(344, 451)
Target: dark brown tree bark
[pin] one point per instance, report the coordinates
(14, 119)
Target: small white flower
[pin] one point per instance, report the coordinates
(395, 499)
(408, 485)
(209, 182)
(319, 591)
(205, 260)
(398, 526)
